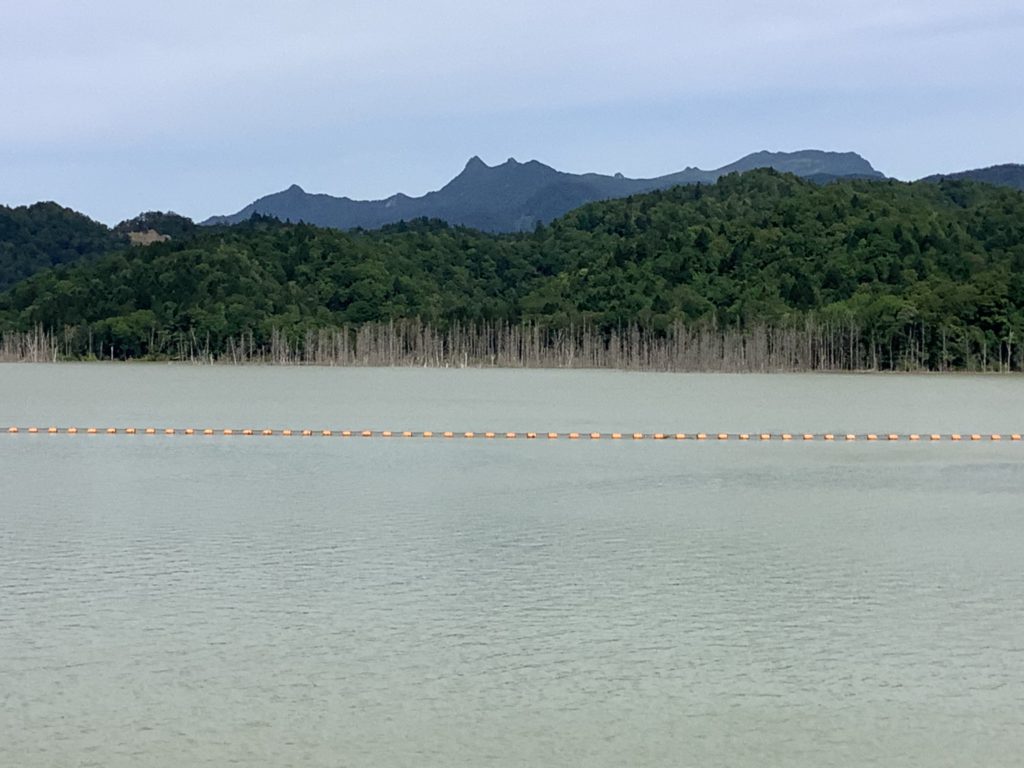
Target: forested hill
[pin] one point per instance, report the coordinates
(43, 235)
(922, 272)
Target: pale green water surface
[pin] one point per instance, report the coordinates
(174, 601)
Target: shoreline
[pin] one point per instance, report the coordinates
(762, 348)
(478, 366)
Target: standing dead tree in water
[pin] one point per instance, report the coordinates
(808, 346)
(35, 346)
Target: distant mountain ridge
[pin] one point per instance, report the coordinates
(515, 197)
(1008, 175)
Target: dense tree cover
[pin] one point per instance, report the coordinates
(44, 235)
(932, 273)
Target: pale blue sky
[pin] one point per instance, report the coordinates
(114, 107)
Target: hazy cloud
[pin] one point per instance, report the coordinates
(115, 106)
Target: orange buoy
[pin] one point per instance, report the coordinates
(914, 438)
(407, 434)
(872, 437)
(33, 430)
(702, 436)
(469, 434)
(680, 435)
(766, 436)
(975, 437)
(552, 435)
(531, 435)
(286, 433)
(808, 437)
(71, 430)
(934, 437)
(369, 433)
(428, 434)
(207, 432)
(169, 431)
(995, 437)
(616, 435)
(12, 430)
(326, 433)
(830, 437)
(574, 435)
(638, 435)
(659, 436)
(227, 432)
(489, 435)
(510, 435)
(386, 433)
(130, 431)
(955, 438)
(449, 434)
(786, 436)
(893, 437)
(189, 431)
(595, 435)
(851, 437)
(1015, 437)
(113, 430)
(150, 431)
(53, 430)
(91, 431)
(723, 435)
(744, 436)
(267, 432)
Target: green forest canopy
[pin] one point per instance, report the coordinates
(44, 235)
(934, 267)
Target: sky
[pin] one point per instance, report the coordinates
(115, 107)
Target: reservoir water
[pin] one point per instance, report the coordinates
(170, 601)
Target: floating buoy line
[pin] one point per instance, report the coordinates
(827, 437)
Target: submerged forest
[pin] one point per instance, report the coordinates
(760, 271)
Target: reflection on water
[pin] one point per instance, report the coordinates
(406, 603)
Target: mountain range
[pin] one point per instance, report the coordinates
(515, 197)
(1008, 175)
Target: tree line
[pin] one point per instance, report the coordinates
(769, 271)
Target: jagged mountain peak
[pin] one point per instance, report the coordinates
(514, 195)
